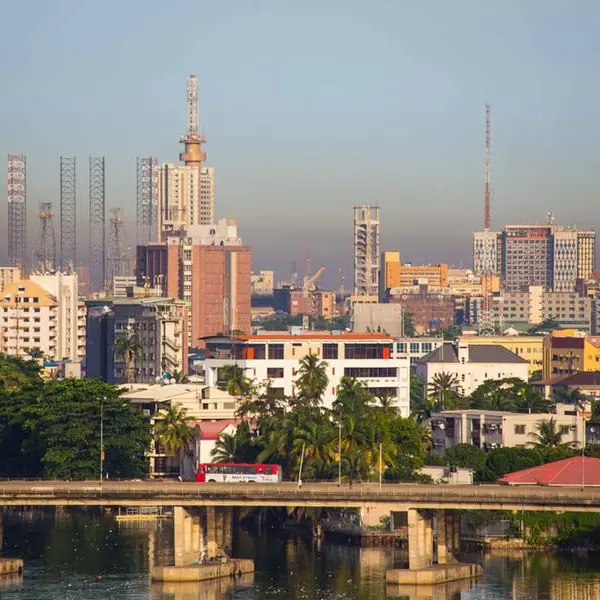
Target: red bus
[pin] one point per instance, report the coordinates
(233, 472)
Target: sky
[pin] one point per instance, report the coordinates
(310, 108)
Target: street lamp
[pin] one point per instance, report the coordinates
(102, 438)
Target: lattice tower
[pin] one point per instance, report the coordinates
(147, 199)
(45, 252)
(97, 224)
(16, 186)
(119, 257)
(68, 217)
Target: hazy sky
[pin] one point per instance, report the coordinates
(312, 107)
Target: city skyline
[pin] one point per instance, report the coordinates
(384, 108)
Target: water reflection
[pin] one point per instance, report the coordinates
(217, 589)
(88, 556)
(447, 591)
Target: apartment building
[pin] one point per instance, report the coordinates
(535, 305)
(528, 347)
(160, 329)
(551, 256)
(274, 357)
(471, 364)
(415, 348)
(8, 275)
(569, 354)
(43, 314)
(489, 429)
(395, 274)
(208, 267)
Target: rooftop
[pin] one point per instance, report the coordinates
(583, 378)
(308, 336)
(575, 471)
(478, 353)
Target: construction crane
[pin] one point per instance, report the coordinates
(309, 283)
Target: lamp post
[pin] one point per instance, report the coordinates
(340, 449)
(102, 439)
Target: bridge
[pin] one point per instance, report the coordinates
(391, 497)
(204, 516)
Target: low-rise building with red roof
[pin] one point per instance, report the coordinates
(571, 472)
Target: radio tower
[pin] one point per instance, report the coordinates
(68, 205)
(119, 261)
(485, 321)
(192, 140)
(45, 253)
(97, 224)
(17, 210)
(147, 199)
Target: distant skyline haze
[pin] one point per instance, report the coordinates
(310, 109)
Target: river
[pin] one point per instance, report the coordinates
(89, 557)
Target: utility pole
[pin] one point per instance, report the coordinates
(340, 450)
(101, 439)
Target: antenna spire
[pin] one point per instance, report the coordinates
(488, 167)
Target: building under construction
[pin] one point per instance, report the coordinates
(366, 250)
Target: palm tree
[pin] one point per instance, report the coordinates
(226, 449)
(180, 377)
(571, 396)
(313, 379)
(548, 435)
(127, 347)
(444, 387)
(234, 382)
(173, 431)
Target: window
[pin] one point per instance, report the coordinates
(276, 351)
(354, 351)
(330, 351)
(519, 429)
(370, 372)
(564, 429)
(275, 372)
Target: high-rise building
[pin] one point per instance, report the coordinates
(550, 256)
(159, 326)
(366, 250)
(186, 197)
(209, 268)
(43, 313)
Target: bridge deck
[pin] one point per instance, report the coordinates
(327, 495)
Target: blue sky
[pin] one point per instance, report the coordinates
(312, 107)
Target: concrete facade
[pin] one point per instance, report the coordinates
(185, 198)
(44, 313)
(160, 326)
(275, 357)
(8, 275)
(489, 429)
(379, 317)
(472, 365)
(366, 250)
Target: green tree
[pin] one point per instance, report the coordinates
(547, 435)
(408, 325)
(232, 379)
(501, 461)
(452, 332)
(173, 432)
(466, 456)
(65, 422)
(127, 348)
(571, 396)
(312, 379)
(445, 390)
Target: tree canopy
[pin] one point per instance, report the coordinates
(52, 429)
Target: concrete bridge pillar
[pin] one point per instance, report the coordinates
(420, 539)
(187, 530)
(211, 532)
(227, 529)
(448, 537)
(220, 527)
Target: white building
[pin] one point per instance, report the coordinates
(44, 313)
(186, 196)
(472, 365)
(489, 429)
(366, 250)
(274, 357)
(121, 283)
(415, 348)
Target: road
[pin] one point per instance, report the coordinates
(326, 495)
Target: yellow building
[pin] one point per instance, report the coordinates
(568, 352)
(396, 275)
(528, 347)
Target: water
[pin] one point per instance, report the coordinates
(89, 557)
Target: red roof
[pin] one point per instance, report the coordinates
(210, 430)
(576, 471)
